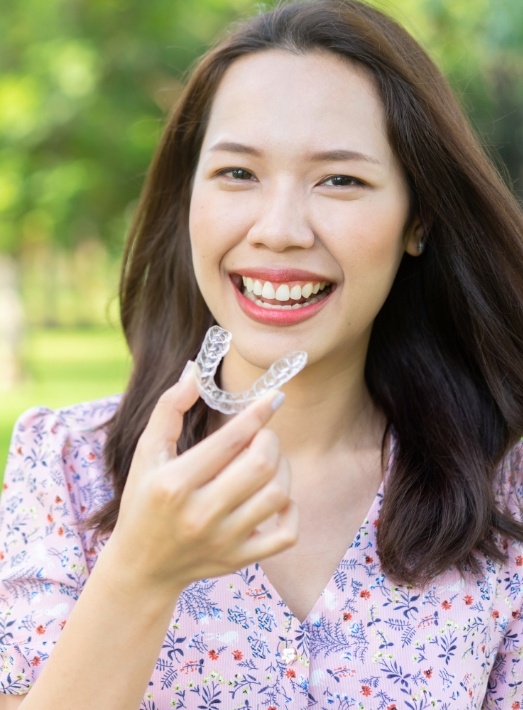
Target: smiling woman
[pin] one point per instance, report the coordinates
(314, 190)
(325, 194)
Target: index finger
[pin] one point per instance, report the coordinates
(211, 455)
(164, 427)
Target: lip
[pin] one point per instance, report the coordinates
(275, 316)
(277, 276)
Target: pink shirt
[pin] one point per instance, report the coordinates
(232, 642)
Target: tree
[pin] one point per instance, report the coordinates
(86, 85)
(83, 93)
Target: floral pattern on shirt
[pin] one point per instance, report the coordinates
(233, 644)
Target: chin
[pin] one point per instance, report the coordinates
(256, 358)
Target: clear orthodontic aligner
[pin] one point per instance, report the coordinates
(214, 347)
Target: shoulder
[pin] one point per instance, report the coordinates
(55, 478)
(509, 482)
(83, 417)
(61, 450)
(44, 430)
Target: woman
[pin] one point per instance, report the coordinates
(316, 189)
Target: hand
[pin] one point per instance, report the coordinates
(195, 516)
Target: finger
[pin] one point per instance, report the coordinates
(164, 427)
(246, 474)
(204, 461)
(269, 500)
(283, 536)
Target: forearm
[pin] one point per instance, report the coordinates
(106, 653)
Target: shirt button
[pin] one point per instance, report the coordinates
(288, 655)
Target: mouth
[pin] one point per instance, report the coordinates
(282, 295)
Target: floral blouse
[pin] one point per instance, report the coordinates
(233, 643)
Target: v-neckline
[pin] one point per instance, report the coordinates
(372, 512)
(374, 508)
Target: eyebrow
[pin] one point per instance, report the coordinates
(341, 154)
(232, 147)
(338, 154)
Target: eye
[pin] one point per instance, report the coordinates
(342, 181)
(236, 174)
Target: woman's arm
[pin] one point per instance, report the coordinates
(106, 652)
(181, 519)
(11, 702)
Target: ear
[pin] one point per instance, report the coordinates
(414, 238)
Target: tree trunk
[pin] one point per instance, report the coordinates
(12, 324)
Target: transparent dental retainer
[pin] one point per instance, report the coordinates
(214, 347)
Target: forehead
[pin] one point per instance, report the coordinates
(280, 96)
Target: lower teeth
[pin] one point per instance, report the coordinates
(292, 307)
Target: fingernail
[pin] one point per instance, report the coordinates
(278, 400)
(187, 370)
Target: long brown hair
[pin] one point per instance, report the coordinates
(445, 357)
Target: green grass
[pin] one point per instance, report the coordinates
(62, 367)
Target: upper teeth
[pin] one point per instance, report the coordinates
(282, 291)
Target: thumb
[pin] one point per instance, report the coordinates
(160, 436)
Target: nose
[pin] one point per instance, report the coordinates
(282, 222)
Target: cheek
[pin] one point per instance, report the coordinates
(197, 217)
(369, 237)
(198, 228)
(218, 222)
(211, 237)
(385, 224)
(203, 227)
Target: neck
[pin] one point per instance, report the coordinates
(327, 409)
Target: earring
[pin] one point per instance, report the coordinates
(420, 246)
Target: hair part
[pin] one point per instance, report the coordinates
(445, 356)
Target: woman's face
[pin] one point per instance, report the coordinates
(299, 208)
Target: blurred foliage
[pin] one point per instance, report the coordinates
(85, 86)
(479, 46)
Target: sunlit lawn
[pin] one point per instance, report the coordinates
(64, 367)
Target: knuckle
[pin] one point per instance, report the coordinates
(194, 525)
(260, 463)
(237, 438)
(268, 438)
(167, 493)
(276, 496)
(199, 522)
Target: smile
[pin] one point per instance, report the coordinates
(285, 296)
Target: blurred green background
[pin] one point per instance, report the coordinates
(85, 86)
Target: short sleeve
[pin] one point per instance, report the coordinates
(505, 685)
(54, 477)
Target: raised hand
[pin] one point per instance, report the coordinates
(195, 516)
